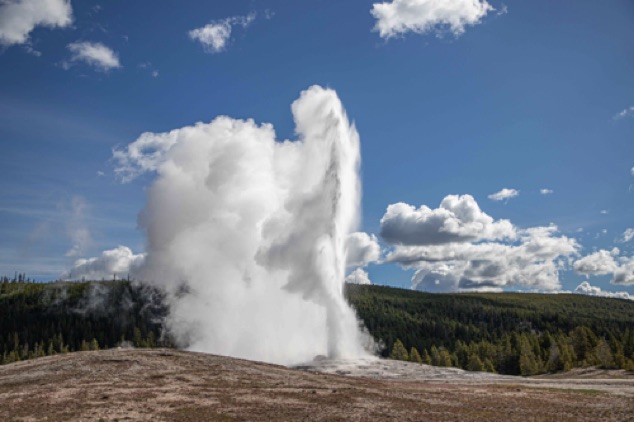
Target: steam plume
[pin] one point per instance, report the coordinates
(247, 235)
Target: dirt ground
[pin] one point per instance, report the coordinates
(169, 385)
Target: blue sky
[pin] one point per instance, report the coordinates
(525, 96)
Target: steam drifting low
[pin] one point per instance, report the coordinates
(247, 235)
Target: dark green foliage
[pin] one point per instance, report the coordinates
(508, 333)
(38, 319)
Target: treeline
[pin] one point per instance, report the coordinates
(507, 333)
(41, 319)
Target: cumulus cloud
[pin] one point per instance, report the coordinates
(628, 235)
(586, 289)
(457, 247)
(422, 16)
(363, 249)
(605, 262)
(215, 35)
(599, 263)
(533, 261)
(19, 17)
(546, 191)
(504, 194)
(624, 274)
(358, 276)
(457, 219)
(96, 55)
(120, 262)
(628, 112)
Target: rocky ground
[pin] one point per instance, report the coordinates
(169, 385)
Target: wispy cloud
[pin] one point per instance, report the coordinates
(628, 235)
(546, 191)
(628, 112)
(19, 17)
(504, 194)
(78, 232)
(215, 35)
(96, 55)
(422, 16)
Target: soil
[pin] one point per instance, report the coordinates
(170, 385)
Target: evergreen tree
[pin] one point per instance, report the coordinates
(426, 357)
(444, 358)
(604, 356)
(399, 352)
(94, 344)
(414, 356)
(475, 364)
(528, 361)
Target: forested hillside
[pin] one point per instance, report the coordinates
(509, 333)
(39, 319)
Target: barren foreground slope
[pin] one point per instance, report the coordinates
(173, 385)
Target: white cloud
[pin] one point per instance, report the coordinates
(586, 289)
(628, 112)
(598, 263)
(363, 249)
(504, 194)
(534, 262)
(472, 251)
(546, 191)
(93, 54)
(423, 16)
(358, 276)
(19, 17)
(604, 212)
(458, 219)
(624, 274)
(146, 154)
(628, 235)
(215, 35)
(119, 262)
(632, 171)
(605, 262)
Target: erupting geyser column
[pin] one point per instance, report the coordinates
(322, 210)
(248, 235)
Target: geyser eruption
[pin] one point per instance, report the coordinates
(247, 235)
